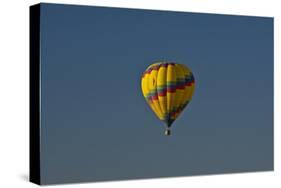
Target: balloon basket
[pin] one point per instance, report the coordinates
(167, 132)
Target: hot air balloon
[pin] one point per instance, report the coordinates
(168, 88)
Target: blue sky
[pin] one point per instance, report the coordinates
(95, 123)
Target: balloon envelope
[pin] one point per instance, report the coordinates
(167, 88)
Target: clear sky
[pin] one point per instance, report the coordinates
(95, 123)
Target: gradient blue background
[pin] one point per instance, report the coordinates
(95, 123)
